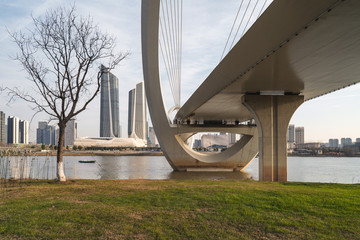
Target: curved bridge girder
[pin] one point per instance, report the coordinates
(171, 136)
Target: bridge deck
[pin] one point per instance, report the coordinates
(300, 47)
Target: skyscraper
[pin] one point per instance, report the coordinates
(137, 126)
(299, 135)
(346, 142)
(152, 141)
(109, 104)
(2, 128)
(45, 134)
(291, 133)
(23, 132)
(334, 143)
(131, 114)
(13, 130)
(70, 133)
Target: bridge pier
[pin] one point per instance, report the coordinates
(272, 114)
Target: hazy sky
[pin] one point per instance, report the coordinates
(206, 25)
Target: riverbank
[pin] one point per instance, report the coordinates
(96, 153)
(180, 209)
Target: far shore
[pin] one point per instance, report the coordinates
(98, 153)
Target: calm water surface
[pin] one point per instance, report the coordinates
(300, 169)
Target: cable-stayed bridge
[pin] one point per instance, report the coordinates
(295, 51)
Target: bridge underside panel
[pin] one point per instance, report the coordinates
(306, 48)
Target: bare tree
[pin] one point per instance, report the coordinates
(58, 55)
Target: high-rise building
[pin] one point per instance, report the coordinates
(152, 140)
(40, 132)
(299, 135)
(109, 104)
(232, 139)
(346, 142)
(334, 143)
(131, 113)
(137, 125)
(23, 132)
(45, 134)
(291, 133)
(6, 134)
(13, 130)
(70, 133)
(197, 143)
(357, 140)
(49, 137)
(2, 128)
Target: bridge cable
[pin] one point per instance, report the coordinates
(171, 25)
(242, 34)
(242, 19)
(242, 22)
(262, 8)
(232, 27)
(168, 60)
(171, 80)
(170, 42)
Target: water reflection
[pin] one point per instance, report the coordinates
(306, 169)
(108, 168)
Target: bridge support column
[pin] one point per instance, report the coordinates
(272, 114)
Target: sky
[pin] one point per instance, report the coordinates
(206, 26)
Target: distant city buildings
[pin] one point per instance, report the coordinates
(131, 113)
(299, 135)
(49, 135)
(13, 130)
(291, 133)
(197, 143)
(214, 141)
(70, 133)
(152, 140)
(137, 125)
(3, 140)
(346, 142)
(333, 143)
(45, 134)
(295, 137)
(232, 139)
(23, 132)
(17, 131)
(109, 104)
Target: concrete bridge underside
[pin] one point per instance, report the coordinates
(296, 51)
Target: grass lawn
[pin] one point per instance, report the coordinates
(180, 209)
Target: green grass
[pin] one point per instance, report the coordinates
(180, 209)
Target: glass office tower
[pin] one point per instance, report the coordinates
(109, 104)
(137, 126)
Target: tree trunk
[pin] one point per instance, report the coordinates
(60, 167)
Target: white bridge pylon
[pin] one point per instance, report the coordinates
(172, 137)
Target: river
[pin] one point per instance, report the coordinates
(300, 169)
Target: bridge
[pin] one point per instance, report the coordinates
(294, 52)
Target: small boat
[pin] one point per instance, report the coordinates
(87, 161)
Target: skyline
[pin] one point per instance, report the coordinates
(332, 116)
